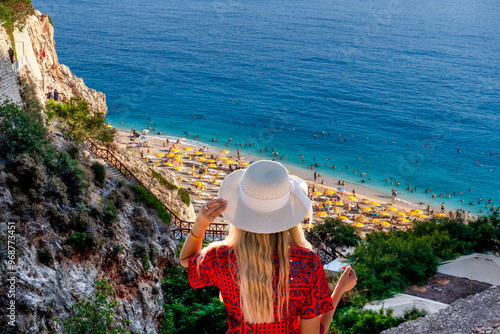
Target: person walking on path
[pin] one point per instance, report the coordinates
(269, 278)
(442, 208)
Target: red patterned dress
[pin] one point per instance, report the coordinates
(309, 292)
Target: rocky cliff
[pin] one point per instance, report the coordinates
(38, 73)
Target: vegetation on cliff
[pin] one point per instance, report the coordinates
(15, 12)
(79, 123)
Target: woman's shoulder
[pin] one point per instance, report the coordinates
(302, 252)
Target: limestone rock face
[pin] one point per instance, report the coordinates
(38, 35)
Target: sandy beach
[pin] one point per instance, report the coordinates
(200, 170)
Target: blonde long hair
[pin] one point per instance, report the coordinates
(254, 259)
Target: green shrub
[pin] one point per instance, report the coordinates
(184, 195)
(81, 123)
(189, 310)
(118, 198)
(28, 174)
(15, 12)
(72, 174)
(45, 256)
(142, 225)
(146, 197)
(389, 262)
(96, 315)
(163, 181)
(24, 131)
(336, 234)
(78, 240)
(109, 211)
(118, 249)
(99, 173)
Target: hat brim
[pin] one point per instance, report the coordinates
(241, 216)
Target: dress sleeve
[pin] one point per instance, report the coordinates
(202, 275)
(319, 299)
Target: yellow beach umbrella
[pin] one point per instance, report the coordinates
(201, 177)
(178, 168)
(329, 192)
(317, 193)
(352, 198)
(223, 158)
(211, 160)
(224, 151)
(198, 153)
(383, 213)
(391, 208)
(375, 203)
(244, 164)
(109, 126)
(367, 201)
(217, 175)
(199, 194)
(328, 202)
(422, 216)
(230, 162)
(147, 159)
(413, 214)
(338, 203)
(401, 213)
(386, 223)
(149, 150)
(359, 225)
(321, 214)
(187, 148)
(214, 181)
(417, 210)
(197, 183)
(360, 219)
(179, 178)
(343, 218)
(177, 159)
(402, 219)
(171, 155)
(168, 164)
(157, 162)
(160, 155)
(179, 155)
(336, 210)
(366, 209)
(174, 150)
(374, 220)
(212, 165)
(441, 215)
(200, 159)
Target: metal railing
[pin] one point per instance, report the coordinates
(216, 231)
(325, 252)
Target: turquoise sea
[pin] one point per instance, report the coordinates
(389, 82)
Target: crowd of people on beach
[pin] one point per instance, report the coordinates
(318, 165)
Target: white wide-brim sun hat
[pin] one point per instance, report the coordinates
(264, 198)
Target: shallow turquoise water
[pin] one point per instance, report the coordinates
(390, 82)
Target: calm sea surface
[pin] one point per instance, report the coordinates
(389, 82)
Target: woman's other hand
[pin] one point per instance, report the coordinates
(348, 280)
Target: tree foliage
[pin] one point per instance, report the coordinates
(96, 315)
(188, 310)
(337, 234)
(80, 122)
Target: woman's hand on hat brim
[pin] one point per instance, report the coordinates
(210, 211)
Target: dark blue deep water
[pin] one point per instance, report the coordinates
(390, 82)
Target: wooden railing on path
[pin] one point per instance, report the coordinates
(216, 231)
(181, 227)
